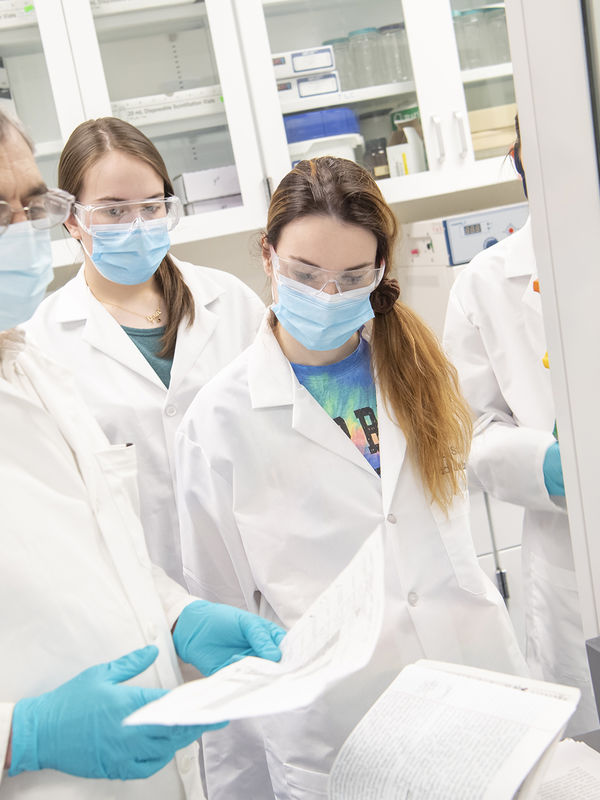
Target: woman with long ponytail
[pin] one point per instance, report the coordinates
(343, 417)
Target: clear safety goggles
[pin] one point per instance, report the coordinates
(45, 210)
(128, 214)
(318, 279)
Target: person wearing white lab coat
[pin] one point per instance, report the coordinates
(292, 456)
(77, 588)
(494, 334)
(140, 330)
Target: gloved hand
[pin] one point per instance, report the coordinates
(211, 636)
(553, 474)
(77, 729)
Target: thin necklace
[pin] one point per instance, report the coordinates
(154, 317)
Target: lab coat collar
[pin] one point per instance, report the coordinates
(519, 258)
(282, 388)
(77, 304)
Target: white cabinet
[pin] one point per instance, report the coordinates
(197, 77)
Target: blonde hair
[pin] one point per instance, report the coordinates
(419, 385)
(86, 145)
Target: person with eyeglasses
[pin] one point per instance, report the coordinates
(91, 630)
(141, 330)
(344, 415)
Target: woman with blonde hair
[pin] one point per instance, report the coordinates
(343, 416)
(140, 330)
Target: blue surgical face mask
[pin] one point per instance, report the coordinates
(129, 254)
(25, 272)
(321, 321)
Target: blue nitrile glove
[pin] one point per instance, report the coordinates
(553, 474)
(211, 636)
(76, 728)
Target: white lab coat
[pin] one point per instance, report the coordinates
(495, 336)
(77, 585)
(126, 395)
(275, 500)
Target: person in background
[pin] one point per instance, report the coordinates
(344, 415)
(140, 330)
(494, 335)
(90, 629)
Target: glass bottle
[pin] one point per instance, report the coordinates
(343, 62)
(395, 56)
(365, 56)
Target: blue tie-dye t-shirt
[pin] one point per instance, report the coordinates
(347, 393)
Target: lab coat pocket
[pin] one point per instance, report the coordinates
(304, 783)
(118, 464)
(455, 532)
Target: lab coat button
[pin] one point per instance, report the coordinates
(170, 411)
(391, 518)
(413, 598)
(151, 632)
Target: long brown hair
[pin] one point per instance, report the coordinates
(419, 385)
(86, 145)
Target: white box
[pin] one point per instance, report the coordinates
(297, 88)
(300, 62)
(164, 107)
(215, 204)
(102, 7)
(207, 184)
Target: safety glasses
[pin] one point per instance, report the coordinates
(318, 278)
(128, 213)
(45, 210)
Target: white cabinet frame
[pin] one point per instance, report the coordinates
(559, 153)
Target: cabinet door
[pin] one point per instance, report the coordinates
(333, 77)
(37, 82)
(396, 76)
(173, 69)
(486, 74)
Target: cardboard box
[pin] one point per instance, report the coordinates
(493, 130)
(314, 86)
(297, 63)
(164, 107)
(216, 204)
(207, 184)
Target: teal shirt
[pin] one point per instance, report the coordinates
(149, 342)
(347, 393)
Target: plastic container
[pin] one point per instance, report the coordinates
(471, 39)
(343, 62)
(329, 132)
(365, 54)
(394, 51)
(497, 35)
(344, 145)
(319, 124)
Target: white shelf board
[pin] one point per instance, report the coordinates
(180, 125)
(490, 73)
(20, 39)
(152, 20)
(350, 96)
(488, 172)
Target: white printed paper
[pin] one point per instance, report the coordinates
(573, 774)
(442, 732)
(333, 639)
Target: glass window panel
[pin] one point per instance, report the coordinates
(344, 79)
(174, 97)
(484, 55)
